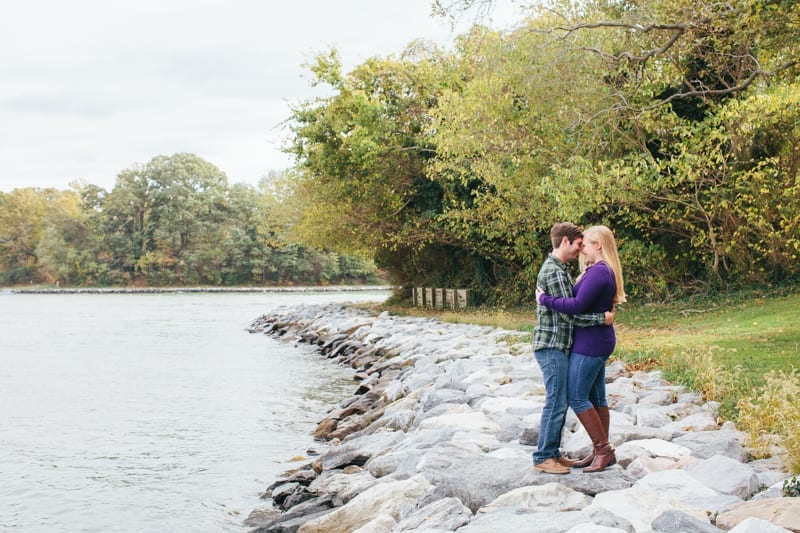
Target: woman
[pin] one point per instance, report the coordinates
(598, 289)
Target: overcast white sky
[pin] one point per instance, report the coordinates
(91, 87)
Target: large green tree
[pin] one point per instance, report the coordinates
(361, 185)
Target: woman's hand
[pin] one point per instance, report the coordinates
(539, 293)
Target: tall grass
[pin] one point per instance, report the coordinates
(769, 414)
(774, 412)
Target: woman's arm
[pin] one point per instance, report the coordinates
(590, 289)
(594, 319)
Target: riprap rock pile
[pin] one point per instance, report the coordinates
(439, 434)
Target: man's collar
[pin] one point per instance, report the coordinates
(558, 261)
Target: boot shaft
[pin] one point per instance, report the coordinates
(603, 452)
(590, 419)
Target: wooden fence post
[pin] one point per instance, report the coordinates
(463, 298)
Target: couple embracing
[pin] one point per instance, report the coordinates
(573, 339)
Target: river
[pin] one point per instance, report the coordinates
(152, 412)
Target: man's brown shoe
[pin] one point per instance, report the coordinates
(551, 466)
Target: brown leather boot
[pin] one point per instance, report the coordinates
(605, 420)
(586, 461)
(563, 461)
(603, 452)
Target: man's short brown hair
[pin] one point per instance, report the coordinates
(564, 229)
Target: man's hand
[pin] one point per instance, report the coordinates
(609, 318)
(539, 292)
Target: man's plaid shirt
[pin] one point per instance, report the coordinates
(553, 329)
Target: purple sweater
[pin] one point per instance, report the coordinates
(594, 293)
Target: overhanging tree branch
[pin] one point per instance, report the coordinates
(693, 88)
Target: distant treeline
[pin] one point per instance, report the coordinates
(172, 222)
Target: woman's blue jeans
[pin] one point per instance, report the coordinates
(587, 382)
(555, 365)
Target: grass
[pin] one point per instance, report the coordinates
(739, 349)
(757, 335)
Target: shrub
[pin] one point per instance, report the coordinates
(774, 410)
(791, 487)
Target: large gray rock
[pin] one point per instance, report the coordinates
(474, 478)
(359, 450)
(298, 515)
(549, 497)
(681, 486)
(342, 485)
(523, 519)
(632, 450)
(644, 465)
(640, 506)
(389, 498)
(620, 393)
(463, 421)
(447, 514)
(725, 475)
(697, 422)
(705, 444)
(649, 415)
(756, 525)
(381, 523)
(657, 397)
(782, 512)
(518, 406)
(479, 442)
(441, 396)
(680, 522)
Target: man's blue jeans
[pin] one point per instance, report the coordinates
(554, 364)
(587, 382)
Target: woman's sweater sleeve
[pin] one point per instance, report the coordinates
(586, 295)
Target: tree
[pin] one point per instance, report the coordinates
(361, 187)
(162, 220)
(361, 153)
(22, 215)
(70, 250)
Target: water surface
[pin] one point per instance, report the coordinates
(152, 412)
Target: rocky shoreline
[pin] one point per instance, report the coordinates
(439, 433)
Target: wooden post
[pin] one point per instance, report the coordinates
(428, 297)
(419, 300)
(450, 298)
(438, 298)
(463, 298)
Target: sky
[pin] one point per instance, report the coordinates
(89, 88)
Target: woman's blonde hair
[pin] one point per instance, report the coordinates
(609, 254)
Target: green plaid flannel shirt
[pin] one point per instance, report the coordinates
(553, 329)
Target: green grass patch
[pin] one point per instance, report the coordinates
(758, 335)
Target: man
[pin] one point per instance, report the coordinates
(552, 341)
